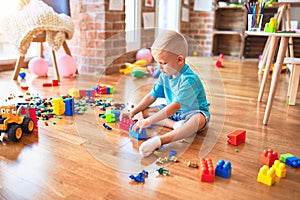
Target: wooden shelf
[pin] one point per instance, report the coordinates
(227, 32)
(229, 28)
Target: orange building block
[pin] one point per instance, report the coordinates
(207, 172)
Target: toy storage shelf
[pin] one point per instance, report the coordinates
(228, 34)
(228, 31)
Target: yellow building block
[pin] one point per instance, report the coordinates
(58, 106)
(74, 92)
(279, 168)
(266, 175)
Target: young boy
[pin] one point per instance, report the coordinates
(187, 110)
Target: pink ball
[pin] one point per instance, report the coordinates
(38, 66)
(145, 54)
(66, 66)
(218, 63)
(221, 55)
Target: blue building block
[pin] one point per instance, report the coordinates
(223, 169)
(89, 93)
(172, 153)
(140, 177)
(137, 135)
(106, 126)
(69, 106)
(117, 114)
(293, 161)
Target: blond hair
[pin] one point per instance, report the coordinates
(170, 41)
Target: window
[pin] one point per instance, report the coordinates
(168, 14)
(6, 7)
(132, 24)
(8, 54)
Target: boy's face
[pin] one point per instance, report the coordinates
(169, 63)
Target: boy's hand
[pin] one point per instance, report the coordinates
(144, 123)
(125, 115)
(129, 115)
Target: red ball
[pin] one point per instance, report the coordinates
(218, 63)
(221, 55)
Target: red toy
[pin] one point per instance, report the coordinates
(125, 123)
(218, 63)
(268, 157)
(47, 84)
(221, 55)
(207, 172)
(236, 137)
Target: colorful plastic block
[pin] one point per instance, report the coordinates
(223, 169)
(172, 153)
(58, 106)
(266, 175)
(137, 135)
(55, 82)
(268, 157)
(271, 26)
(106, 126)
(110, 117)
(207, 172)
(293, 161)
(82, 93)
(283, 157)
(117, 114)
(74, 92)
(163, 171)
(236, 137)
(89, 93)
(69, 106)
(279, 168)
(125, 124)
(105, 89)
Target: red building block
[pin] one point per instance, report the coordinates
(47, 84)
(268, 157)
(82, 93)
(55, 82)
(207, 172)
(236, 137)
(125, 123)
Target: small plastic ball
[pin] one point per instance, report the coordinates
(145, 54)
(218, 63)
(66, 66)
(38, 66)
(221, 55)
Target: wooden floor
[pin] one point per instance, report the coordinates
(77, 158)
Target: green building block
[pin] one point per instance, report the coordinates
(283, 157)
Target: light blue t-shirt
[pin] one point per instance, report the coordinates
(186, 88)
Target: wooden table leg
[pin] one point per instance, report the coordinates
(276, 72)
(269, 57)
(265, 53)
